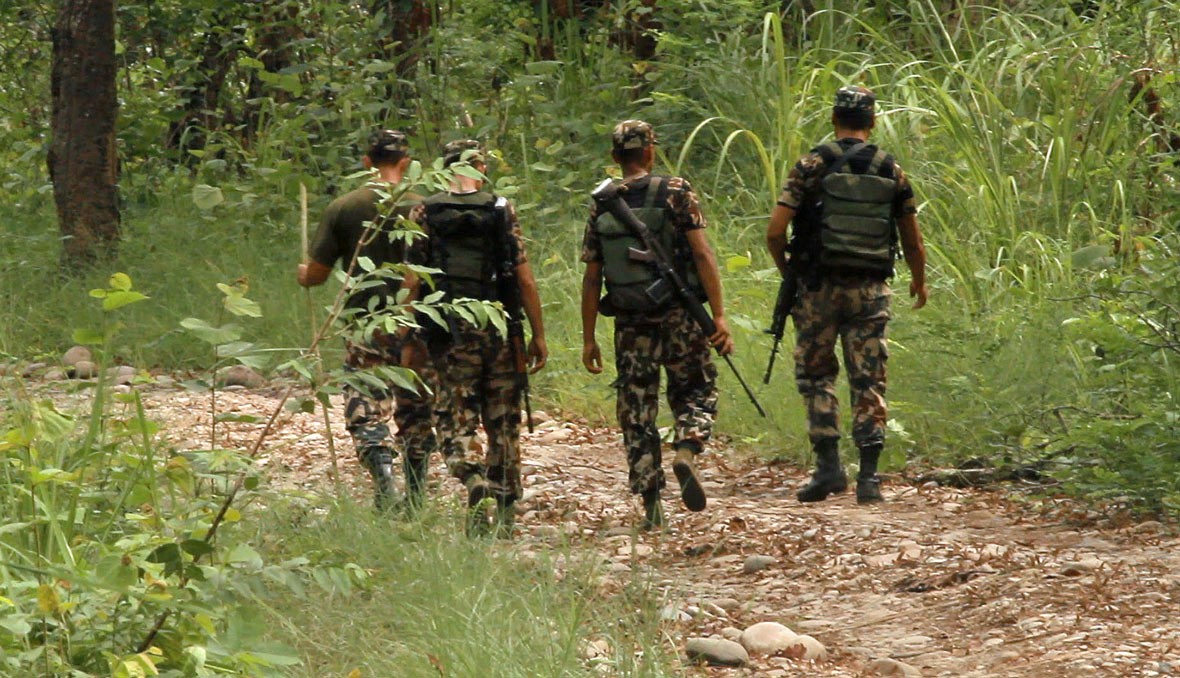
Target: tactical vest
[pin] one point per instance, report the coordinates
(466, 243)
(628, 276)
(856, 214)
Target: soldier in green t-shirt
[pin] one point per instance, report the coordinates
(358, 225)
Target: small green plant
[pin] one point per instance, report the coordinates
(110, 536)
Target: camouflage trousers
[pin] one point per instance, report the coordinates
(855, 310)
(367, 411)
(478, 384)
(676, 343)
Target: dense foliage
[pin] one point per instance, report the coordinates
(1042, 137)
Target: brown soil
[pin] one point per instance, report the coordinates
(952, 582)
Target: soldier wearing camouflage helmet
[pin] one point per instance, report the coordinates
(475, 240)
(651, 334)
(850, 204)
(361, 224)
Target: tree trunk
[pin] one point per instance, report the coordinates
(203, 111)
(407, 23)
(82, 159)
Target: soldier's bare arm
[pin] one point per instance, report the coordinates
(591, 291)
(776, 235)
(915, 257)
(710, 276)
(530, 300)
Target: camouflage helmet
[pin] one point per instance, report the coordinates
(384, 143)
(855, 98)
(453, 151)
(633, 134)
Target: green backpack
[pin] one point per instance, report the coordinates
(464, 233)
(632, 280)
(857, 228)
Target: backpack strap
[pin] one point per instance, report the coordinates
(877, 162)
(844, 157)
(653, 190)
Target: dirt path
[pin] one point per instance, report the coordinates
(951, 582)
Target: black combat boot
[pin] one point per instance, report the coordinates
(829, 477)
(868, 483)
(653, 511)
(478, 490)
(691, 492)
(505, 520)
(379, 462)
(415, 470)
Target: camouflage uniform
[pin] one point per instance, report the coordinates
(349, 221)
(366, 412)
(851, 306)
(646, 341)
(477, 379)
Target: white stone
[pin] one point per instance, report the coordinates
(813, 650)
(75, 355)
(727, 604)
(767, 638)
(754, 564)
(121, 374)
(84, 369)
(716, 652)
(891, 667)
(239, 375)
(731, 633)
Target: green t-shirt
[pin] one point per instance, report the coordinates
(350, 219)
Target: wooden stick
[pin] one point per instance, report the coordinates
(335, 469)
(303, 222)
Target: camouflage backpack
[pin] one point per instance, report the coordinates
(857, 229)
(627, 266)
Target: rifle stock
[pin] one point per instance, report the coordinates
(607, 197)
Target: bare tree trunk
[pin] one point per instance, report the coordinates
(83, 164)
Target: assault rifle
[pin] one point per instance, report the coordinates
(670, 282)
(787, 290)
(509, 293)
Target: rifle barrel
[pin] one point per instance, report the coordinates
(749, 393)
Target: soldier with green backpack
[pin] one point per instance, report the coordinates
(475, 242)
(851, 205)
(653, 330)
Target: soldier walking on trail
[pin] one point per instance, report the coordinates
(649, 333)
(474, 238)
(358, 225)
(850, 202)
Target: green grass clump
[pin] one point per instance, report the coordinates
(436, 601)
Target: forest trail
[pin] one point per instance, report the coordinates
(949, 582)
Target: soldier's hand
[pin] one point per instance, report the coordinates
(538, 354)
(312, 273)
(721, 339)
(592, 357)
(919, 292)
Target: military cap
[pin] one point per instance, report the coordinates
(855, 98)
(633, 134)
(386, 141)
(453, 151)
